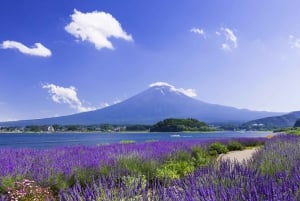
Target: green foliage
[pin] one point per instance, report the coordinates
(213, 153)
(200, 157)
(83, 176)
(183, 163)
(174, 170)
(137, 166)
(178, 125)
(218, 148)
(234, 146)
(177, 165)
(230, 127)
(131, 181)
(107, 127)
(182, 156)
(105, 170)
(151, 140)
(291, 130)
(294, 132)
(33, 128)
(59, 182)
(253, 143)
(278, 157)
(6, 183)
(127, 141)
(137, 127)
(72, 128)
(130, 163)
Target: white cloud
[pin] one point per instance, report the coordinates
(226, 47)
(103, 105)
(107, 104)
(96, 27)
(198, 31)
(230, 36)
(116, 101)
(218, 33)
(8, 119)
(187, 92)
(37, 50)
(231, 40)
(294, 42)
(161, 84)
(66, 95)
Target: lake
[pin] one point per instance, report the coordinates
(45, 141)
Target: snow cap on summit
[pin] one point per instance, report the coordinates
(187, 92)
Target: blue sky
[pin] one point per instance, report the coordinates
(60, 57)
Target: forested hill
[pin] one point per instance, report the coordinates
(283, 121)
(297, 124)
(178, 125)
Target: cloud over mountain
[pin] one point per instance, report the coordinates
(67, 95)
(187, 92)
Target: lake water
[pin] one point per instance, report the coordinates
(45, 141)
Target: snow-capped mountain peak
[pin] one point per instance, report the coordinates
(166, 86)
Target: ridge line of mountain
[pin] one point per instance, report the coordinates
(150, 106)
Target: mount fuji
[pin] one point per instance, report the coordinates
(159, 101)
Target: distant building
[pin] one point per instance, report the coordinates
(51, 129)
(258, 125)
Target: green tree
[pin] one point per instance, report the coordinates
(178, 125)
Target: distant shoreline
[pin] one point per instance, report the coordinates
(129, 132)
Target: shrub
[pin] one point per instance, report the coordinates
(213, 153)
(234, 146)
(253, 142)
(131, 164)
(182, 156)
(218, 147)
(6, 182)
(199, 157)
(174, 170)
(59, 181)
(137, 166)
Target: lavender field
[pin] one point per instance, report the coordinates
(154, 171)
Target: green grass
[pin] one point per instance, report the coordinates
(294, 131)
(290, 130)
(127, 141)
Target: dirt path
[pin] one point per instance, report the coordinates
(238, 156)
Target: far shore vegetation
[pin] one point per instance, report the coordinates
(295, 130)
(167, 125)
(180, 125)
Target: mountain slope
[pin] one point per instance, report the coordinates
(287, 120)
(152, 105)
